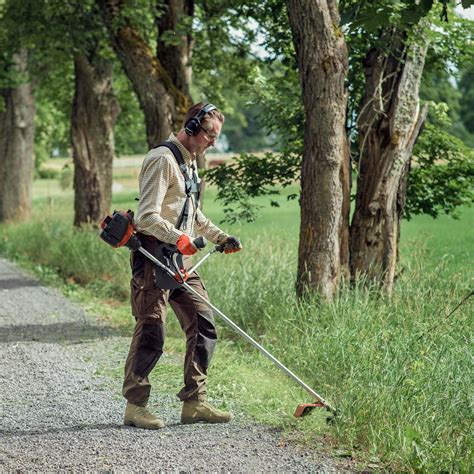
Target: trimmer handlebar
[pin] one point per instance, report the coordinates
(200, 242)
(118, 230)
(220, 248)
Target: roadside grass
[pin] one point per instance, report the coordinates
(399, 370)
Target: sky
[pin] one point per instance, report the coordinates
(466, 12)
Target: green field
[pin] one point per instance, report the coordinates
(399, 370)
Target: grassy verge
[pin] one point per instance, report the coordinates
(397, 369)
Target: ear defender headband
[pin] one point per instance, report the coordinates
(193, 125)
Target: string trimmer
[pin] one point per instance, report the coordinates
(118, 231)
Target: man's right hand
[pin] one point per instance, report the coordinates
(186, 246)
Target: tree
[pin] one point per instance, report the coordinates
(381, 37)
(161, 80)
(390, 120)
(94, 107)
(94, 113)
(67, 31)
(17, 111)
(94, 110)
(322, 65)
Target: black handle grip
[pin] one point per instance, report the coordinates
(220, 248)
(200, 242)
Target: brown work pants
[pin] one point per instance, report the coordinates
(149, 309)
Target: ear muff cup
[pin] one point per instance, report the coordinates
(193, 125)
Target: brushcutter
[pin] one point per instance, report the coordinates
(118, 231)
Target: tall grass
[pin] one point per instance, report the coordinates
(399, 369)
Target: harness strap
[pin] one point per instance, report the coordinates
(191, 184)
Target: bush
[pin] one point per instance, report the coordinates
(47, 173)
(66, 177)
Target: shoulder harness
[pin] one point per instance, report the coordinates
(192, 184)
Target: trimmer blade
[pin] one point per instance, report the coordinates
(304, 408)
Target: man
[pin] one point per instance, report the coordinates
(168, 212)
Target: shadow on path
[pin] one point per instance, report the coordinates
(14, 283)
(72, 332)
(68, 429)
(79, 428)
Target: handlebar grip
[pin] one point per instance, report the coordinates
(200, 242)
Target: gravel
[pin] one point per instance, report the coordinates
(59, 413)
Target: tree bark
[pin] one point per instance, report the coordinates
(322, 64)
(17, 146)
(390, 121)
(163, 97)
(94, 114)
(344, 231)
(175, 53)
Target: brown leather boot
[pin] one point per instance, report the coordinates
(195, 411)
(141, 418)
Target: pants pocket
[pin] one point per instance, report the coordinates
(146, 301)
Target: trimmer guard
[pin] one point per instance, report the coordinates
(173, 260)
(304, 408)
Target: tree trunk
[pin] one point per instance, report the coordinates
(16, 146)
(175, 54)
(94, 113)
(390, 120)
(163, 97)
(344, 232)
(322, 64)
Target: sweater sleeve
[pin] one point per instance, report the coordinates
(155, 180)
(205, 227)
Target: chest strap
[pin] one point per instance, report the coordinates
(191, 184)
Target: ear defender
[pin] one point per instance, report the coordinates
(193, 125)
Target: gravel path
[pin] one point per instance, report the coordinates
(57, 412)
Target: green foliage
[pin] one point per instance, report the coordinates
(243, 128)
(437, 87)
(232, 67)
(273, 88)
(47, 173)
(74, 255)
(276, 90)
(129, 132)
(278, 93)
(53, 112)
(53, 31)
(250, 176)
(466, 100)
(442, 175)
(223, 38)
(371, 16)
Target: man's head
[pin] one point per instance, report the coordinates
(203, 124)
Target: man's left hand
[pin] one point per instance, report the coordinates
(232, 244)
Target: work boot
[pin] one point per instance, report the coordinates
(141, 418)
(195, 411)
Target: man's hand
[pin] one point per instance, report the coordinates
(232, 244)
(186, 246)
